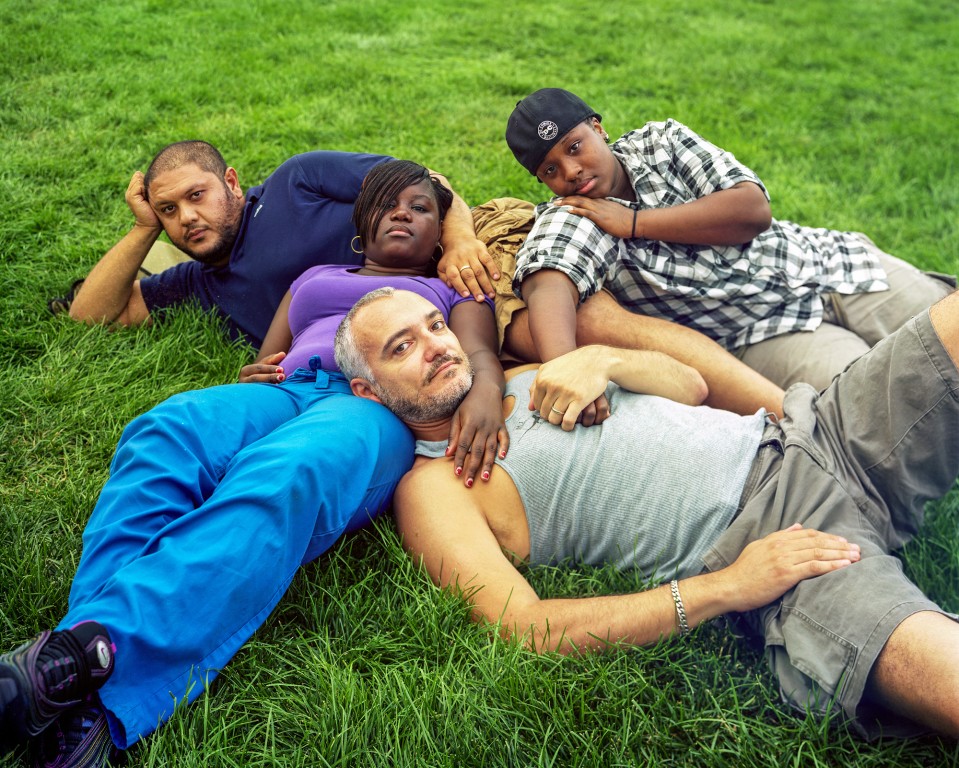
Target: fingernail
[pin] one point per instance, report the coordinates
(469, 483)
(459, 471)
(486, 475)
(502, 454)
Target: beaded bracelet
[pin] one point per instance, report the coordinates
(680, 609)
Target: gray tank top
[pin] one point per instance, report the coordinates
(650, 489)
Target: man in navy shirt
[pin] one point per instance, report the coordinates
(246, 249)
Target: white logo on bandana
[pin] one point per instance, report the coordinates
(547, 130)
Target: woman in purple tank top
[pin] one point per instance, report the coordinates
(398, 216)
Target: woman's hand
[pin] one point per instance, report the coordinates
(265, 371)
(468, 268)
(478, 433)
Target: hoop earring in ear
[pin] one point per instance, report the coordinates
(439, 247)
(353, 247)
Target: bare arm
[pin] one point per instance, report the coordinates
(728, 217)
(478, 431)
(551, 300)
(111, 292)
(445, 528)
(733, 385)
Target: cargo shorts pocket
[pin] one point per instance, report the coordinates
(809, 661)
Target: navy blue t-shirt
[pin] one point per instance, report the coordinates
(298, 218)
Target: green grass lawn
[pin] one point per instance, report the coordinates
(849, 113)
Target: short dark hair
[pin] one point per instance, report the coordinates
(383, 184)
(181, 153)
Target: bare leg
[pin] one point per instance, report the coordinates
(917, 673)
(732, 384)
(945, 320)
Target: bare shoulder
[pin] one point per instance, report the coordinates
(429, 482)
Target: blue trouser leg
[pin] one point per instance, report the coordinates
(215, 498)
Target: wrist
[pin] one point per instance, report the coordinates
(709, 595)
(485, 384)
(152, 230)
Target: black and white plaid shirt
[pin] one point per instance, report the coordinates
(737, 295)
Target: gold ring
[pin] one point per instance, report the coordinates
(463, 269)
(554, 410)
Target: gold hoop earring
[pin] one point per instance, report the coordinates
(353, 247)
(439, 247)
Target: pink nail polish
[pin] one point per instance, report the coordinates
(458, 471)
(486, 475)
(469, 483)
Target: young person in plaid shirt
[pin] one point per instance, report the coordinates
(675, 227)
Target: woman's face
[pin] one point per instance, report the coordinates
(581, 163)
(409, 231)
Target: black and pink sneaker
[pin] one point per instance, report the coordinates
(79, 738)
(52, 673)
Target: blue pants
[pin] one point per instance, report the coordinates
(215, 498)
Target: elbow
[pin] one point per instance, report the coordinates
(83, 314)
(754, 215)
(537, 633)
(754, 225)
(77, 316)
(698, 391)
(90, 318)
(761, 221)
(541, 640)
(760, 215)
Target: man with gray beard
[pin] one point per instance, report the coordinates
(790, 523)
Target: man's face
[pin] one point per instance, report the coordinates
(581, 164)
(421, 371)
(200, 212)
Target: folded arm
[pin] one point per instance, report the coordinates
(726, 217)
(111, 292)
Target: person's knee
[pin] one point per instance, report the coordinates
(917, 672)
(945, 321)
